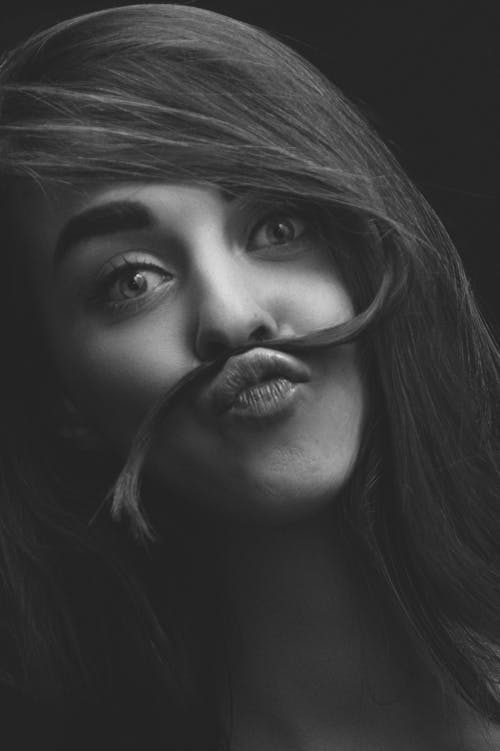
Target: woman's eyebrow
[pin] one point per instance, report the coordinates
(96, 221)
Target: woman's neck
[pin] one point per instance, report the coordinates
(315, 656)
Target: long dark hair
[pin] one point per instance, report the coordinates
(175, 93)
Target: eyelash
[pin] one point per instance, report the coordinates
(281, 216)
(127, 267)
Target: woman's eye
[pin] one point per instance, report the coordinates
(277, 230)
(129, 283)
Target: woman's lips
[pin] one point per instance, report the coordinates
(257, 383)
(269, 399)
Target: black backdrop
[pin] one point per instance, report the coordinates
(426, 74)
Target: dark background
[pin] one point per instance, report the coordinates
(426, 75)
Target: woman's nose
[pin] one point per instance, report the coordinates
(229, 315)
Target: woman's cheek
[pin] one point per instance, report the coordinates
(115, 376)
(315, 303)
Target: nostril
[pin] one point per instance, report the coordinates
(218, 338)
(218, 348)
(260, 334)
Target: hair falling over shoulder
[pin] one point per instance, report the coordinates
(163, 92)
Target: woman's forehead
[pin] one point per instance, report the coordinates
(54, 203)
(59, 197)
(58, 214)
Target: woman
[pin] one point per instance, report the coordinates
(250, 457)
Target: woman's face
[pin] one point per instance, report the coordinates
(139, 283)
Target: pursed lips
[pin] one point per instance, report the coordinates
(249, 369)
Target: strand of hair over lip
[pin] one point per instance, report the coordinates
(124, 495)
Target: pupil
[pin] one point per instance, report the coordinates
(281, 231)
(137, 281)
